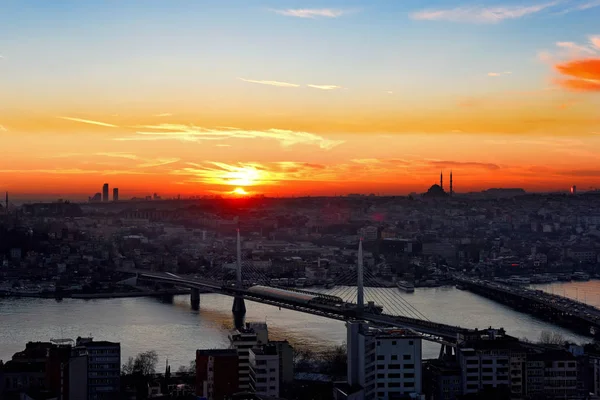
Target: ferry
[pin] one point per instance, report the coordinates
(406, 286)
(519, 280)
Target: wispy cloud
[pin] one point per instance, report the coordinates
(158, 163)
(127, 156)
(3, 128)
(595, 40)
(575, 47)
(163, 115)
(478, 14)
(312, 12)
(581, 7)
(496, 74)
(88, 121)
(223, 145)
(197, 134)
(72, 171)
(270, 83)
(450, 164)
(325, 87)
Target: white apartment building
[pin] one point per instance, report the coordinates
(242, 341)
(264, 370)
(386, 363)
(254, 334)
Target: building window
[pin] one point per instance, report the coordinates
(380, 366)
(394, 366)
(393, 376)
(409, 366)
(406, 357)
(393, 342)
(409, 375)
(380, 358)
(409, 384)
(380, 384)
(380, 376)
(394, 357)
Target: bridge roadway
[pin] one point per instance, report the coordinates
(571, 314)
(341, 310)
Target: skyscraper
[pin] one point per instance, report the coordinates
(442, 179)
(451, 189)
(105, 192)
(116, 194)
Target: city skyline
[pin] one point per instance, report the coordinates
(290, 98)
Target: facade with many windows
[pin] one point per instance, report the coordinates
(264, 370)
(386, 363)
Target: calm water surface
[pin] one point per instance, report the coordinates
(175, 331)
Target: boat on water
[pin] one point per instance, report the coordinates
(406, 286)
(519, 280)
(580, 276)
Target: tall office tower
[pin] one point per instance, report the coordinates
(116, 194)
(105, 192)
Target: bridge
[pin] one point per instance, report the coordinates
(571, 314)
(312, 302)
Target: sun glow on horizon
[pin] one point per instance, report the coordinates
(239, 191)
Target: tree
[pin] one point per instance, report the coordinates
(336, 361)
(192, 368)
(551, 338)
(127, 368)
(143, 364)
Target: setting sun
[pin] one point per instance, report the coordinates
(240, 192)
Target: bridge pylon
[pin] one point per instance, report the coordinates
(360, 295)
(195, 298)
(239, 305)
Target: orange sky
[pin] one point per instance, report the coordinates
(159, 117)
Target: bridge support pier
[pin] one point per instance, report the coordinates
(239, 305)
(239, 311)
(195, 299)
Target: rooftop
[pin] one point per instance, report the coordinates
(217, 352)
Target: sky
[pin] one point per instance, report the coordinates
(290, 98)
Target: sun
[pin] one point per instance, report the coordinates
(239, 191)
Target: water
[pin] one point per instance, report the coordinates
(587, 292)
(175, 331)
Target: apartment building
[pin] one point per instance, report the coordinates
(385, 363)
(552, 374)
(264, 370)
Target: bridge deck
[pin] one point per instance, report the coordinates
(327, 306)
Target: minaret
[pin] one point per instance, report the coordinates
(442, 179)
(451, 190)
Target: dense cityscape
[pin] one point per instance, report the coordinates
(300, 200)
(301, 254)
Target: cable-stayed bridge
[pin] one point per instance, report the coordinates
(345, 302)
